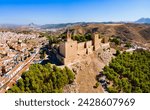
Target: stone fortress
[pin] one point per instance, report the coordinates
(68, 52)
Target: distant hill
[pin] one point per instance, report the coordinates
(143, 20)
(65, 25)
(61, 25)
(12, 26)
(33, 25)
(129, 31)
(9, 25)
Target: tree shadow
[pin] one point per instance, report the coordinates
(51, 57)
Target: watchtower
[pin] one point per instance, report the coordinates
(96, 41)
(68, 49)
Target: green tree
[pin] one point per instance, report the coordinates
(129, 72)
(117, 52)
(43, 78)
(70, 75)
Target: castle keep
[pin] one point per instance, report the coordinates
(69, 51)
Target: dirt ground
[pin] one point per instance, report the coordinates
(86, 72)
(86, 77)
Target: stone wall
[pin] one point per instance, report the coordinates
(82, 52)
(89, 44)
(70, 60)
(81, 46)
(60, 58)
(70, 50)
(90, 50)
(62, 49)
(85, 48)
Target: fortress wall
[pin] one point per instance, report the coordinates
(97, 44)
(85, 47)
(81, 46)
(62, 49)
(90, 50)
(60, 58)
(100, 40)
(82, 52)
(88, 44)
(106, 39)
(66, 61)
(69, 60)
(106, 45)
(71, 49)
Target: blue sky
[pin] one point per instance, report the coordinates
(62, 11)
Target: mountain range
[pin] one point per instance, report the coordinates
(143, 20)
(65, 25)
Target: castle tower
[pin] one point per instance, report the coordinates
(96, 41)
(68, 36)
(68, 50)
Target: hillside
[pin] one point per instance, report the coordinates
(133, 32)
(129, 72)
